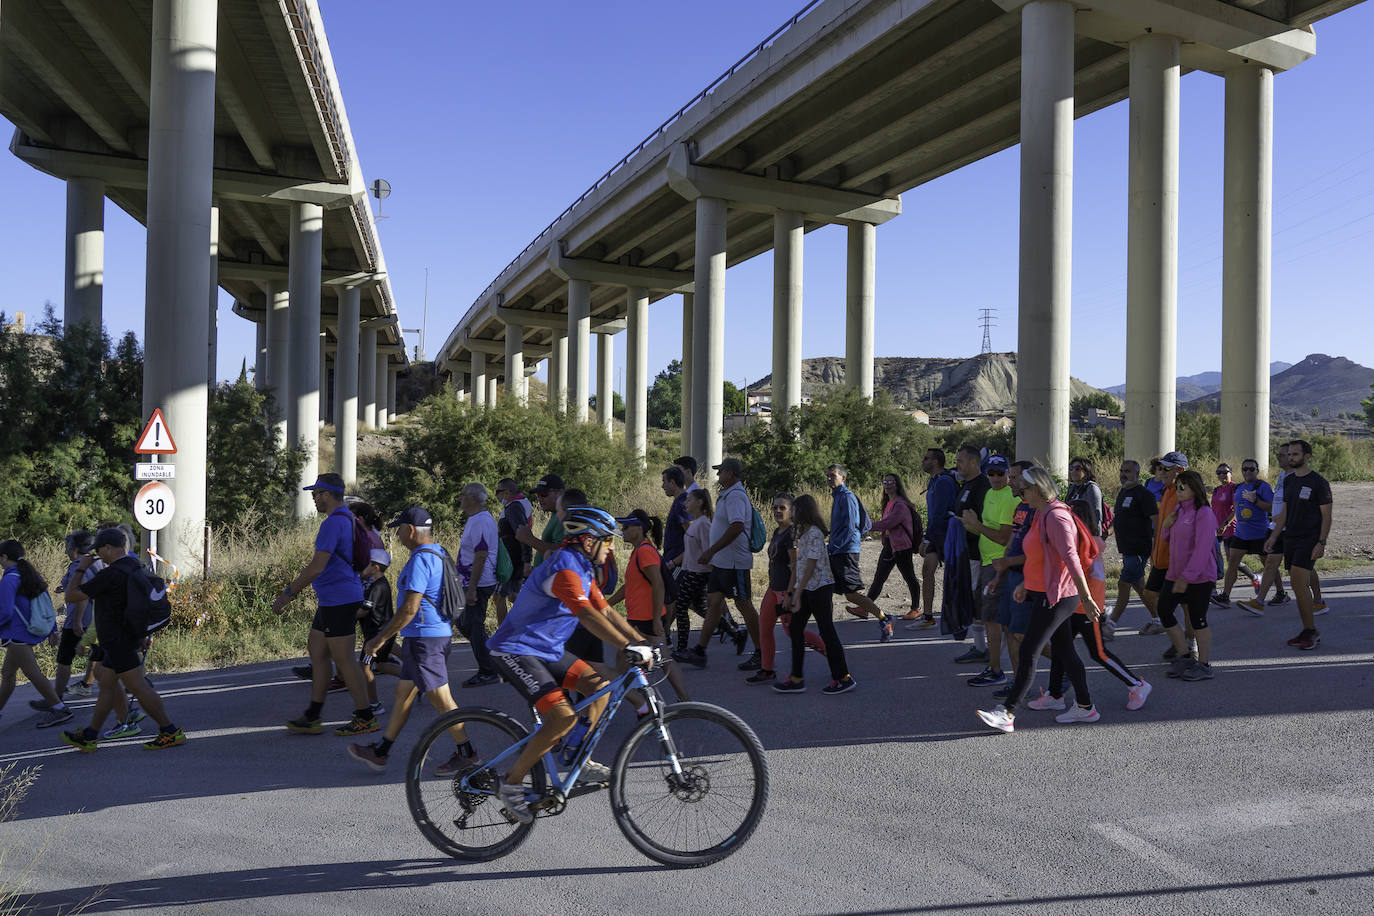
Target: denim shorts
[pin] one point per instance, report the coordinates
(1133, 569)
(1013, 615)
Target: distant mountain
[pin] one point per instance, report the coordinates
(979, 385)
(1330, 385)
(1192, 387)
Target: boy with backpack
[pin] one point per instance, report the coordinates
(849, 522)
(376, 612)
(127, 602)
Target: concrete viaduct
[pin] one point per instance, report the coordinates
(840, 111)
(219, 125)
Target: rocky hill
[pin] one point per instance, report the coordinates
(1328, 385)
(1192, 387)
(979, 385)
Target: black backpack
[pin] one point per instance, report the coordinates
(146, 608)
(451, 598)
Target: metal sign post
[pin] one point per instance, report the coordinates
(155, 503)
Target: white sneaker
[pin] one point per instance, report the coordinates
(1078, 714)
(1319, 608)
(1046, 701)
(594, 772)
(1139, 693)
(513, 802)
(998, 718)
(79, 690)
(1153, 628)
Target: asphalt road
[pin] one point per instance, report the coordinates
(1247, 794)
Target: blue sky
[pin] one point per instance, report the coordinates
(488, 124)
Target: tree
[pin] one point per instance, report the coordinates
(250, 479)
(1079, 406)
(735, 400)
(617, 405)
(665, 398)
(1368, 405)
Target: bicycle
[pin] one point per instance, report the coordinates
(688, 786)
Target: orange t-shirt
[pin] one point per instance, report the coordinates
(639, 592)
(1159, 557)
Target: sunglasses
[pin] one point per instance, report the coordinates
(1250, 469)
(1075, 467)
(1222, 472)
(780, 508)
(993, 472)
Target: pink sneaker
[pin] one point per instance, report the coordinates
(1045, 701)
(1139, 693)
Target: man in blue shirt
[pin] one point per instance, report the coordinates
(339, 593)
(424, 651)
(846, 531)
(941, 492)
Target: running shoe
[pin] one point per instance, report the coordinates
(1002, 693)
(972, 656)
(988, 678)
(998, 718)
(456, 764)
(304, 726)
(481, 679)
(752, 663)
(1252, 606)
(856, 611)
(1108, 629)
(136, 715)
(1179, 665)
(922, 623)
(1319, 608)
(1170, 653)
(1153, 628)
(165, 740)
(377, 708)
(1078, 714)
(513, 802)
(1197, 671)
(1139, 694)
(79, 741)
(790, 686)
(367, 755)
(884, 628)
(913, 614)
(762, 676)
(1307, 639)
(1256, 581)
(358, 726)
(40, 705)
(78, 690)
(336, 684)
(741, 638)
(842, 686)
(1280, 599)
(593, 772)
(1220, 600)
(693, 656)
(304, 672)
(1046, 701)
(53, 717)
(123, 730)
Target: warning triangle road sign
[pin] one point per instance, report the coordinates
(156, 438)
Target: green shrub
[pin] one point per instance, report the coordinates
(249, 476)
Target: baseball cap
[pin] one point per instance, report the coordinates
(994, 463)
(730, 464)
(380, 557)
(412, 516)
(549, 482)
(332, 483)
(110, 537)
(1174, 460)
(638, 518)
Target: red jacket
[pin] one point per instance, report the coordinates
(899, 525)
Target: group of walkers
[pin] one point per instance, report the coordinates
(1021, 569)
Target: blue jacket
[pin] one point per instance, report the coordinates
(941, 493)
(956, 611)
(844, 521)
(14, 611)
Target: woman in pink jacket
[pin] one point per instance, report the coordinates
(1191, 531)
(900, 528)
(1055, 584)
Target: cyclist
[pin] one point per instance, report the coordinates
(528, 648)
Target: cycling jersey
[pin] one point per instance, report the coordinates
(545, 613)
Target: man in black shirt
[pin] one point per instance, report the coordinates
(973, 488)
(516, 513)
(122, 665)
(1134, 518)
(1305, 522)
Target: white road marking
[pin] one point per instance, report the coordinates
(1148, 852)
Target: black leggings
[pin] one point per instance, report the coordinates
(902, 559)
(66, 648)
(1091, 631)
(1194, 597)
(1048, 627)
(691, 596)
(817, 604)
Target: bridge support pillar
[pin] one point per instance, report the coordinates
(460, 387)
(688, 354)
(605, 381)
(303, 340)
(637, 370)
(1152, 247)
(516, 385)
(558, 371)
(708, 346)
(1042, 396)
(382, 375)
(367, 378)
(392, 377)
(788, 234)
(579, 347)
(212, 367)
(83, 289)
(491, 389)
(479, 379)
(1247, 202)
(260, 355)
(278, 354)
(322, 414)
(346, 386)
(181, 140)
(859, 292)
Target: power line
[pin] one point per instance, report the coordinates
(987, 318)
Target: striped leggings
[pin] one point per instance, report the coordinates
(1091, 631)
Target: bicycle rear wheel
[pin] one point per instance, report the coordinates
(711, 808)
(460, 814)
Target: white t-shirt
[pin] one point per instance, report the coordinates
(732, 506)
(697, 539)
(811, 546)
(479, 534)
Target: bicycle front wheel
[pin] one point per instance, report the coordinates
(459, 812)
(707, 805)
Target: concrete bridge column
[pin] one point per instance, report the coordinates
(1152, 247)
(346, 386)
(859, 292)
(479, 379)
(323, 407)
(460, 387)
(83, 289)
(1247, 203)
(181, 139)
(579, 347)
(605, 381)
(212, 367)
(392, 375)
(491, 389)
(558, 371)
(303, 339)
(688, 338)
(367, 378)
(637, 371)
(787, 311)
(708, 346)
(516, 386)
(1042, 396)
(260, 355)
(278, 354)
(381, 373)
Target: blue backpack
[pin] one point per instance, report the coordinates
(42, 616)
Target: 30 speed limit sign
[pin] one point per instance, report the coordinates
(154, 505)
